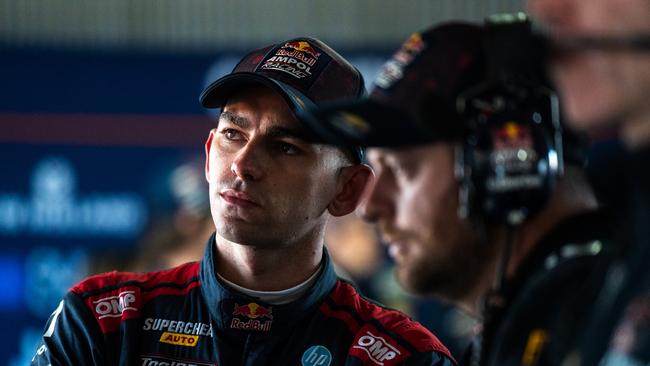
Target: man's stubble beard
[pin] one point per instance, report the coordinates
(451, 278)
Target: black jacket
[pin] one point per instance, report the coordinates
(619, 332)
(546, 306)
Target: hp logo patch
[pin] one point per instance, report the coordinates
(316, 356)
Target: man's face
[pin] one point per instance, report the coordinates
(414, 201)
(268, 185)
(599, 87)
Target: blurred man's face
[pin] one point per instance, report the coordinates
(600, 87)
(268, 185)
(414, 201)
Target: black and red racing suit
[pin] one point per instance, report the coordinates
(185, 316)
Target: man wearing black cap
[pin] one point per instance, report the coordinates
(265, 292)
(479, 194)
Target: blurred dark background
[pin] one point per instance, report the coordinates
(102, 137)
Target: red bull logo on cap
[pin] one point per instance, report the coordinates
(302, 46)
(295, 58)
(255, 314)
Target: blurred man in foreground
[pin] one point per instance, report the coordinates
(601, 64)
(479, 194)
(265, 292)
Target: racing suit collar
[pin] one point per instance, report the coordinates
(232, 311)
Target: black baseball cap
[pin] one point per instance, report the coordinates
(413, 99)
(304, 71)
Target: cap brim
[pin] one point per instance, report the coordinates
(366, 122)
(216, 95)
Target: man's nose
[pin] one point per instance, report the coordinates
(248, 164)
(377, 202)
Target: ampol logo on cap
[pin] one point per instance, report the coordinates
(316, 356)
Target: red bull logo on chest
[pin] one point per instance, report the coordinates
(256, 317)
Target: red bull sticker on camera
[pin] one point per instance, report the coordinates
(252, 316)
(295, 58)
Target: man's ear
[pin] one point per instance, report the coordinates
(208, 145)
(352, 185)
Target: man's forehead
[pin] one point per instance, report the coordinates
(401, 155)
(382, 154)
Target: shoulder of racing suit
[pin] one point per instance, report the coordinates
(377, 327)
(116, 296)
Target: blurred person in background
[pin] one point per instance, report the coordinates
(479, 193)
(601, 64)
(265, 292)
(181, 219)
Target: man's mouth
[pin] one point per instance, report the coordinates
(238, 198)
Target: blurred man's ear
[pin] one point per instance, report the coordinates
(352, 185)
(208, 145)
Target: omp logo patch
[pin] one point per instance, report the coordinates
(154, 360)
(114, 306)
(179, 339)
(378, 349)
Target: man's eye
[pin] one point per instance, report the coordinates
(288, 148)
(231, 134)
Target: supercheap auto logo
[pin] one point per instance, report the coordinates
(179, 339)
(256, 317)
(294, 58)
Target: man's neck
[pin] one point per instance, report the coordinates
(271, 268)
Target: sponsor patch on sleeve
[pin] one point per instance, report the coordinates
(377, 347)
(111, 308)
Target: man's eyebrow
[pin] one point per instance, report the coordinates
(280, 132)
(235, 119)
